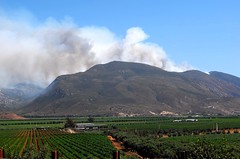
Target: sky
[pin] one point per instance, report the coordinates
(202, 34)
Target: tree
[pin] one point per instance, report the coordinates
(90, 119)
(69, 123)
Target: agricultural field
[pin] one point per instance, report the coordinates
(212, 146)
(205, 138)
(34, 143)
(150, 137)
(167, 124)
(126, 123)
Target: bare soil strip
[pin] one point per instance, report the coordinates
(119, 146)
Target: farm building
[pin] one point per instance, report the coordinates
(186, 120)
(177, 120)
(89, 126)
(191, 120)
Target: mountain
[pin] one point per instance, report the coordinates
(18, 95)
(124, 88)
(226, 77)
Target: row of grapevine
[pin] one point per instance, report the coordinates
(34, 143)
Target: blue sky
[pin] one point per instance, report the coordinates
(203, 33)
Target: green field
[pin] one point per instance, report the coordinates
(150, 123)
(33, 143)
(152, 137)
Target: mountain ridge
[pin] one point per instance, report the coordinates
(136, 89)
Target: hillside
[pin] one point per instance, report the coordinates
(122, 88)
(10, 116)
(18, 95)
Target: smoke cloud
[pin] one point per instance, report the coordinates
(38, 53)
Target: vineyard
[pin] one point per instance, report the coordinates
(34, 143)
(149, 137)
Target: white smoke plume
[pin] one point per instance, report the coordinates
(39, 53)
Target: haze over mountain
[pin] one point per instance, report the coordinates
(125, 88)
(18, 95)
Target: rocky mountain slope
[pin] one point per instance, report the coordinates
(123, 88)
(18, 95)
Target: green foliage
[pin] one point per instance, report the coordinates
(141, 134)
(212, 146)
(69, 123)
(40, 144)
(204, 149)
(90, 119)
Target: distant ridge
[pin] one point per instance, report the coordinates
(126, 88)
(18, 95)
(226, 77)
